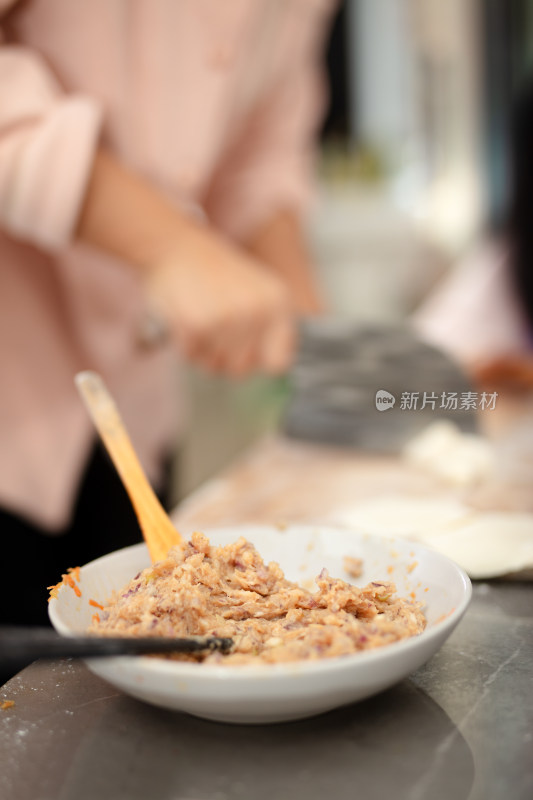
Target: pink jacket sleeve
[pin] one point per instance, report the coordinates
(47, 142)
(269, 167)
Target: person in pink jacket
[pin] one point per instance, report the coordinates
(155, 162)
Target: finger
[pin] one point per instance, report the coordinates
(245, 360)
(231, 347)
(279, 346)
(196, 332)
(235, 356)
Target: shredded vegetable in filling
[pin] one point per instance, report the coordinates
(204, 590)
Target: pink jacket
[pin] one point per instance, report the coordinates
(217, 104)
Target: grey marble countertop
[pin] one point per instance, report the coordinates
(460, 727)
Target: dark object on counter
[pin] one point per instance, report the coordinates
(23, 644)
(373, 387)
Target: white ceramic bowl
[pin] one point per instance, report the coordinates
(274, 693)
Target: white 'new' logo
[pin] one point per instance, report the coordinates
(384, 400)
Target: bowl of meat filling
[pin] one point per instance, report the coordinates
(319, 617)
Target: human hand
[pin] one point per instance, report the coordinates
(224, 310)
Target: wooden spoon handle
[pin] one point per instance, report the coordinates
(158, 531)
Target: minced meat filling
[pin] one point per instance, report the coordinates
(228, 591)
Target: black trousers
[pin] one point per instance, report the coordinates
(103, 521)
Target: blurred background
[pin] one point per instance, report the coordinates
(414, 174)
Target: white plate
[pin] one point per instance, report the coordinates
(274, 693)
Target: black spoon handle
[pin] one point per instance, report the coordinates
(27, 644)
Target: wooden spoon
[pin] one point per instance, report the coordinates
(157, 528)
